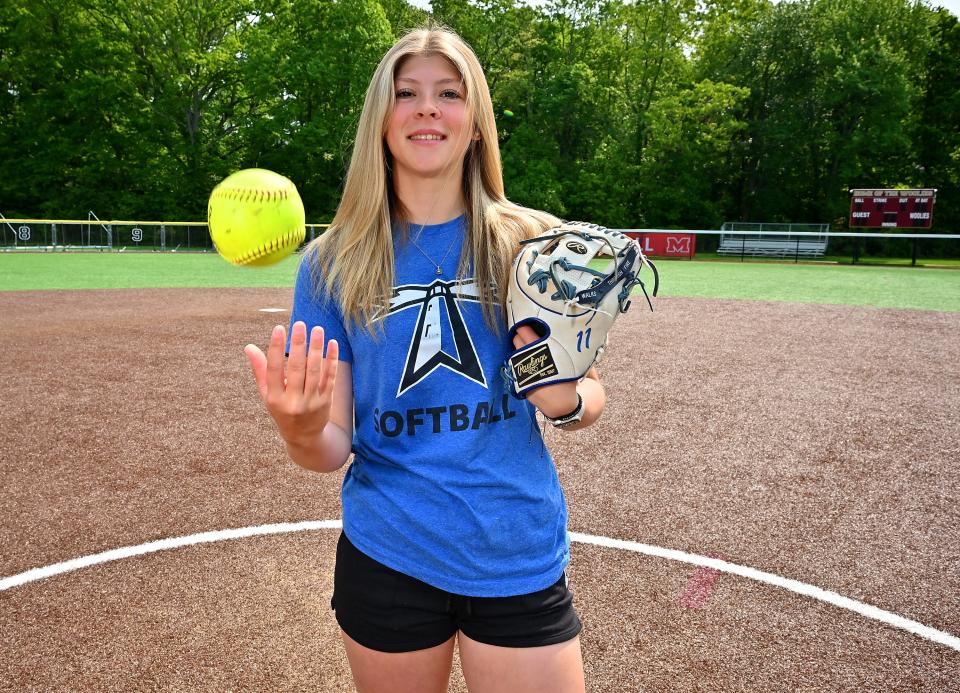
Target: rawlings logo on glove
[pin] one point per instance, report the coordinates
(570, 305)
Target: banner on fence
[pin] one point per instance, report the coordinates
(666, 244)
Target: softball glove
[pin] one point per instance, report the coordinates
(568, 303)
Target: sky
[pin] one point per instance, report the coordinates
(952, 5)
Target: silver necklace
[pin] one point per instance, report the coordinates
(432, 261)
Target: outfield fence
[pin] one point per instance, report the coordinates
(738, 241)
(93, 235)
(747, 243)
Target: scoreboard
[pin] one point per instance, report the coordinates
(893, 209)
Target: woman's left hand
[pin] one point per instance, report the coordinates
(553, 400)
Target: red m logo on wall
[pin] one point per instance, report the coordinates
(678, 245)
(666, 245)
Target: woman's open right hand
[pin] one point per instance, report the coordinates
(298, 390)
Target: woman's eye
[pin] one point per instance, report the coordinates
(450, 94)
(404, 93)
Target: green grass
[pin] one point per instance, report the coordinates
(838, 260)
(855, 285)
(41, 271)
(887, 287)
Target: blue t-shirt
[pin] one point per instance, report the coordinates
(450, 481)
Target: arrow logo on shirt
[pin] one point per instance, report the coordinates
(441, 337)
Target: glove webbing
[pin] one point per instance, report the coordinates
(567, 292)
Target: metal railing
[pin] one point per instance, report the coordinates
(94, 234)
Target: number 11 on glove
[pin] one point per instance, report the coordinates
(570, 305)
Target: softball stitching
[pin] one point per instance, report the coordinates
(274, 245)
(248, 195)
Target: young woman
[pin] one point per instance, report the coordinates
(454, 522)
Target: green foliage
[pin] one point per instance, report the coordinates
(834, 89)
(312, 95)
(691, 132)
(936, 125)
(680, 113)
(137, 108)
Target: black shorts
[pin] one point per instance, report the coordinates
(388, 611)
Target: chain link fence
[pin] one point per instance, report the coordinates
(94, 235)
(70, 235)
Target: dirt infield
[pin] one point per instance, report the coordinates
(815, 443)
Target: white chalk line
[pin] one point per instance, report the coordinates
(802, 588)
(162, 545)
(795, 586)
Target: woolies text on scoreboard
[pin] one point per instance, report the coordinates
(894, 209)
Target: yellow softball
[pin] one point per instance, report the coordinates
(255, 217)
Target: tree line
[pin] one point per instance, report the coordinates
(642, 113)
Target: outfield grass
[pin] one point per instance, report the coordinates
(887, 287)
(884, 287)
(84, 270)
(839, 260)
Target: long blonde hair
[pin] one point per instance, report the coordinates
(354, 258)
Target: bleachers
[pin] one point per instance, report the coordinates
(771, 247)
(773, 240)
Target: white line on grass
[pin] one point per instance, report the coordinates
(802, 588)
